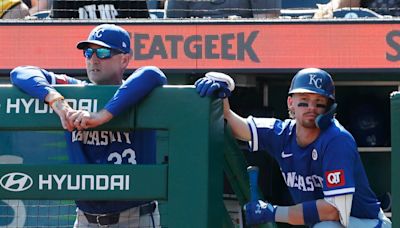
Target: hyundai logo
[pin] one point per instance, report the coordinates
(16, 182)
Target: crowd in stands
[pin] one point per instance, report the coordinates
(222, 9)
(383, 7)
(114, 9)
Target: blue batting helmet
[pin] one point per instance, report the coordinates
(313, 80)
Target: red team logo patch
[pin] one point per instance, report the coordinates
(61, 79)
(335, 178)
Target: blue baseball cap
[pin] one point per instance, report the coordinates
(110, 36)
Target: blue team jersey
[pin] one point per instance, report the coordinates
(329, 166)
(101, 147)
(111, 147)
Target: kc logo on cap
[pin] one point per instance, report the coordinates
(98, 33)
(110, 36)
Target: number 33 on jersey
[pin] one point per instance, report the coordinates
(113, 147)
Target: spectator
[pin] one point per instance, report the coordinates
(99, 9)
(222, 8)
(383, 7)
(13, 9)
(36, 6)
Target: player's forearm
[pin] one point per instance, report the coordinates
(295, 214)
(32, 81)
(239, 126)
(52, 96)
(101, 117)
(326, 211)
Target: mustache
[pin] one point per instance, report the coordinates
(311, 112)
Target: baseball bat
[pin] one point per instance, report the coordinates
(253, 181)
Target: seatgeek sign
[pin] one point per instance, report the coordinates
(243, 46)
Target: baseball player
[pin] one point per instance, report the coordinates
(107, 53)
(318, 158)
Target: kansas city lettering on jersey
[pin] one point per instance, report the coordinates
(305, 184)
(32, 105)
(100, 137)
(229, 46)
(83, 182)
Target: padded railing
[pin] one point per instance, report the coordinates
(190, 181)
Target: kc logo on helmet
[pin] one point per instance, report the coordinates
(335, 178)
(314, 80)
(16, 182)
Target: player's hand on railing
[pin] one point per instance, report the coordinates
(82, 119)
(258, 212)
(56, 101)
(61, 108)
(215, 83)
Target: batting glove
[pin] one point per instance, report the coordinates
(216, 83)
(258, 212)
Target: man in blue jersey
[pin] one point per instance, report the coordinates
(318, 158)
(107, 53)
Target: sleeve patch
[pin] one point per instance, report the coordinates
(335, 178)
(61, 79)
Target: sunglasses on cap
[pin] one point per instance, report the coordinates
(101, 53)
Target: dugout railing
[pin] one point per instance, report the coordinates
(188, 177)
(190, 181)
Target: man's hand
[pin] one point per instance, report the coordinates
(258, 212)
(56, 101)
(216, 83)
(82, 120)
(61, 108)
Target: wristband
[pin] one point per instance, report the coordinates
(55, 100)
(310, 212)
